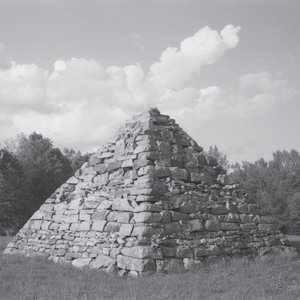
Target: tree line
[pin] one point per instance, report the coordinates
(31, 168)
(274, 185)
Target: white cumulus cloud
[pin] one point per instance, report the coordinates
(80, 103)
(178, 66)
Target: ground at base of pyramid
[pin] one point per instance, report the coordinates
(151, 201)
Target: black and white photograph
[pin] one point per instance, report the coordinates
(149, 149)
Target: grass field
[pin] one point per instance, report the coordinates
(34, 278)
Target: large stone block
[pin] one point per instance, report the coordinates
(173, 227)
(161, 172)
(85, 225)
(116, 175)
(246, 218)
(38, 215)
(84, 216)
(219, 210)
(145, 206)
(192, 264)
(248, 226)
(265, 227)
(146, 230)
(123, 217)
(112, 227)
(121, 204)
(176, 216)
(35, 224)
(105, 204)
(212, 225)
(142, 147)
(45, 225)
(142, 252)
(195, 225)
(100, 215)
(72, 180)
(75, 203)
(81, 262)
(113, 166)
(197, 177)
(90, 204)
(178, 173)
(102, 261)
(147, 217)
(99, 225)
(48, 207)
(172, 265)
(229, 226)
(100, 168)
(141, 191)
(101, 179)
(168, 251)
(266, 219)
(201, 251)
(135, 264)
(183, 251)
(127, 163)
(232, 218)
(125, 229)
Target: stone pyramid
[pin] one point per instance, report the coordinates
(151, 201)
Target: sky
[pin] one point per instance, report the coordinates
(226, 71)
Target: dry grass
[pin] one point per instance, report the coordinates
(34, 278)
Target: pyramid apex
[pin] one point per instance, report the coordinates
(153, 110)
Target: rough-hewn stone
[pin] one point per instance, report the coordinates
(151, 200)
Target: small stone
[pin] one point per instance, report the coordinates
(72, 180)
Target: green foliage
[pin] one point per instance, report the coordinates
(219, 156)
(12, 203)
(274, 185)
(76, 158)
(46, 167)
(30, 171)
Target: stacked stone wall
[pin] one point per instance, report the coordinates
(149, 201)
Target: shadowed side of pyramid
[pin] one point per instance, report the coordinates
(148, 201)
